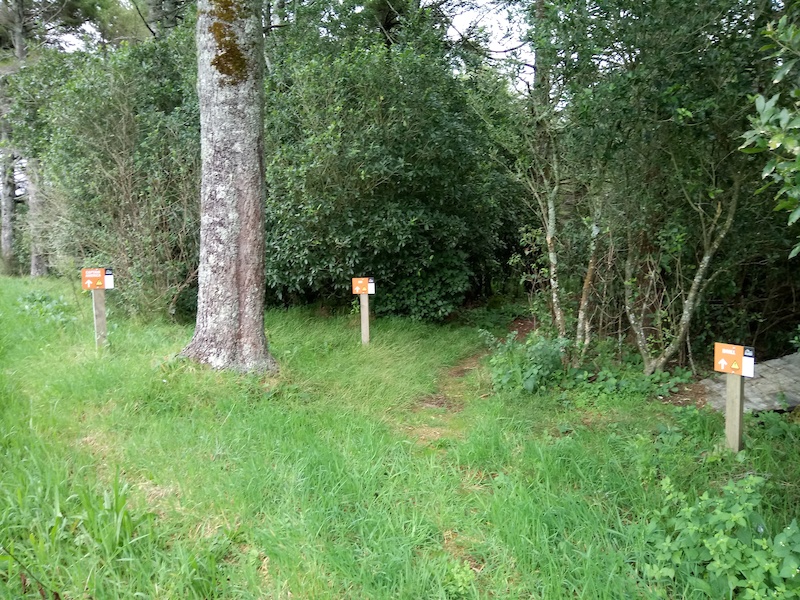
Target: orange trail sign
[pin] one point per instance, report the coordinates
(737, 360)
(93, 279)
(363, 285)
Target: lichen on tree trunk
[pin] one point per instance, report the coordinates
(231, 277)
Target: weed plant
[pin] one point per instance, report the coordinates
(129, 473)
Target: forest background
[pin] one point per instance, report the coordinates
(609, 185)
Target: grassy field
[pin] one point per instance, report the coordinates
(391, 471)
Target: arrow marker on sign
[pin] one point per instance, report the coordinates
(89, 282)
(722, 363)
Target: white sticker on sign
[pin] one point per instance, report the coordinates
(109, 279)
(748, 361)
(371, 286)
(748, 367)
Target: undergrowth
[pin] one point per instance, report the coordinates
(720, 545)
(540, 362)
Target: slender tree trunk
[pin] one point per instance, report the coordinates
(552, 256)
(231, 278)
(630, 304)
(35, 221)
(546, 152)
(582, 331)
(693, 298)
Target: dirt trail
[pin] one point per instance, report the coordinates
(434, 417)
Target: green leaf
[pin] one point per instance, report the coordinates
(783, 70)
(790, 567)
(700, 585)
(769, 168)
(794, 216)
(770, 105)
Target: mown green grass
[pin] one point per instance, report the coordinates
(129, 473)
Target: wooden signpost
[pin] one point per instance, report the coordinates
(738, 362)
(98, 281)
(363, 287)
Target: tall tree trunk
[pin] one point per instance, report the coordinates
(231, 278)
(18, 30)
(35, 221)
(8, 199)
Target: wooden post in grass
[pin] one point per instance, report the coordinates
(738, 362)
(363, 287)
(734, 410)
(98, 281)
(99, 308)
(364, 300)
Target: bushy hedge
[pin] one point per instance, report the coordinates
(379, 168)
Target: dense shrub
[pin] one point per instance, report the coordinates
(117, 136)
(379, 168)
(539, 362)
(376, 165)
